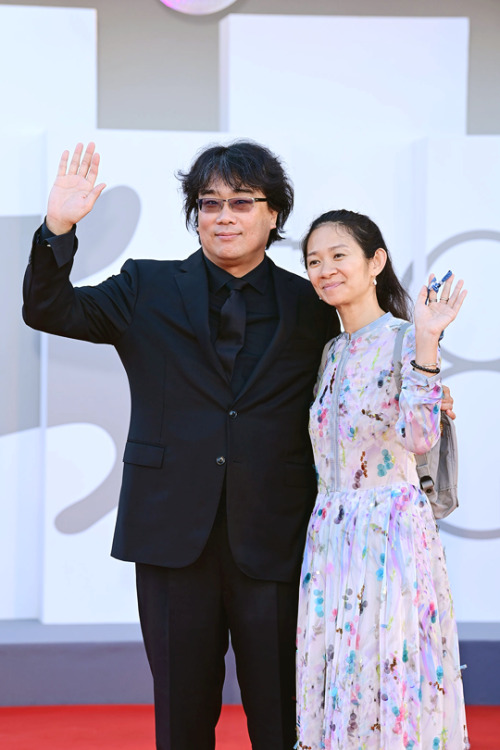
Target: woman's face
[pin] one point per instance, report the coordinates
(337, 267)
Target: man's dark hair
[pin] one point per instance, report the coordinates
(241, 164)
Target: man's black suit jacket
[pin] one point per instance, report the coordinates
(187, 430)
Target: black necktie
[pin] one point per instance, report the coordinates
(232, 326)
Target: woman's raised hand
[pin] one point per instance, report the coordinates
(433, 310)
(74, 191)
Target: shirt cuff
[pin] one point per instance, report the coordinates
(417, 377)
(63, 246)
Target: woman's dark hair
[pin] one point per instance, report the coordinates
(241, 164)
(391, 295)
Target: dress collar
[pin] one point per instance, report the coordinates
(385, 318)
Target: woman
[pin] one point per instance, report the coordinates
(378, 663)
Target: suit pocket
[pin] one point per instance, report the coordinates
(143, 454)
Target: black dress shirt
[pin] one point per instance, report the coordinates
(261, 314)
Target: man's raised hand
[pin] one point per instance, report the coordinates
(74, 191)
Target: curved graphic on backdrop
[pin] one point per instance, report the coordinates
(106, 232)
(459, 364)
(95, 371)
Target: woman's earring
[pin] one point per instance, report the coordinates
(375, 281)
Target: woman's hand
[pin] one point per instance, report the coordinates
(74, 192)
(434, 312)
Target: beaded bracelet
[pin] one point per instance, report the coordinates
(424, 368)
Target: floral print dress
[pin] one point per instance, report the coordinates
(377, 648)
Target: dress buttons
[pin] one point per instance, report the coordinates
(220, 460)
(233, 414)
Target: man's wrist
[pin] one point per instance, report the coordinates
(47, 232)
(56, 228)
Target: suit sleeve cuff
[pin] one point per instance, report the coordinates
(63, 246)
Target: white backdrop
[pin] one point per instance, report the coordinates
(330, 75)
(35, 73)
(354, 112)
(462, 230)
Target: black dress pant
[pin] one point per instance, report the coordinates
(186, 615)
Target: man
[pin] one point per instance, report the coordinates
(221, 351)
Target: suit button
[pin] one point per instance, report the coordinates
(233, 414)
(220, 461)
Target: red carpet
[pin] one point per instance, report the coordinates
(131, 728)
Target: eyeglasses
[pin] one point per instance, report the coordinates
(238, 205)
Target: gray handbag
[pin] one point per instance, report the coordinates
(438, 469)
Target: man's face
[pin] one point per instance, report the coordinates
(235, 241)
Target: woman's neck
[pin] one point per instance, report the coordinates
(358, 316)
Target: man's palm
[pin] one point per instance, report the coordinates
(71, 198)
(74, 191)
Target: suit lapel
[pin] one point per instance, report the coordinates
(193, 286)
(286, 297)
